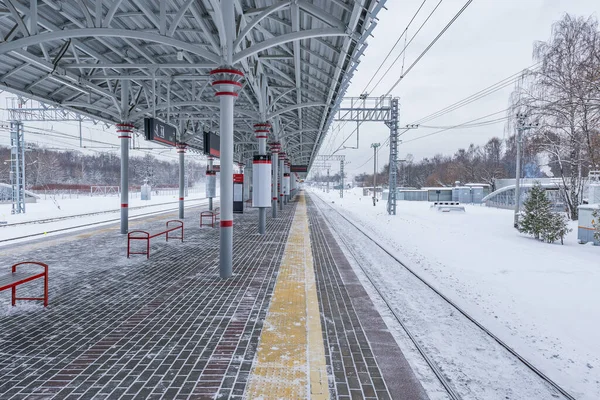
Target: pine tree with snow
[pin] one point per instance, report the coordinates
(556, 229)
(537, 212)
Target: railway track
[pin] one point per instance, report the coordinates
(452, 393)
(95, 223)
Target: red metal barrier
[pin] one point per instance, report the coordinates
(213, 215)
(143, 235)
(16, 279)
(207, 214)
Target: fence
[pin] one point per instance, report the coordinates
(100, 191)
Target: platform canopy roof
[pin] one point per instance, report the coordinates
(298, 57)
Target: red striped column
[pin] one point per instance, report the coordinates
(227, 83)
(181, 151)
(261, 176)
(125, 130)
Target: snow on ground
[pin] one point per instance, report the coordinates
(57, 208)
(542, 299)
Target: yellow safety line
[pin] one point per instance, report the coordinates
(290, 361)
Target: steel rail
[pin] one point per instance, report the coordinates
(97, 223)
(512, 351)
(432, 364)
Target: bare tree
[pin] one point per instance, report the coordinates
(562, 95)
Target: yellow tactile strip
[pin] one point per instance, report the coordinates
(290, 361)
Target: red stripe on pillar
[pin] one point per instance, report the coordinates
(226, 224)
(226, 94)
(124, 205)
(181, 198)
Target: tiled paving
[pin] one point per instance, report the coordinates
(363, 355)
(291, 358)
(170, 328)
(163, 328)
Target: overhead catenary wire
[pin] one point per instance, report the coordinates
(434, 41)
(478, 95)
(403, 34)
(420, 56)
(403, 52)
(461, 125)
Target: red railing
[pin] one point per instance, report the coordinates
(212, 215)
(30, 278)
(143, 235)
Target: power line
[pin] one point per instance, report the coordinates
(393, 63)
(458, 14)
(476, 96)
(408, 44)
(461, 125)
(394, 46)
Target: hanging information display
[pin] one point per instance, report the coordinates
(158, 131)
(212, 144)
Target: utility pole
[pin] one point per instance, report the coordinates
(522, 125)
(375, 146)
(327, 180)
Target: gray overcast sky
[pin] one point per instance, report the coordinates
(490, 41)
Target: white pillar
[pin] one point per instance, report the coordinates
(124, 130)
(281, 168)
(181, 152)
(275, 146)
(227, 82)
(261, 176)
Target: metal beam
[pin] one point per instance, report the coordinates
(106, 32)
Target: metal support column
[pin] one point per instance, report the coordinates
(17, 167)
(522, 126)
(181, 152)
(124, 130)
(393, 164)
(281, 167)
(261, 131)
(342, 161)
(275, 147)
(209, 175)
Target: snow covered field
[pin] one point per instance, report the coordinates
(109, 206)
(541, 299)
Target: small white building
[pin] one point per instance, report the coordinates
(585, 228)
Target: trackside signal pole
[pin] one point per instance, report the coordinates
(375, 146)
(522, 125)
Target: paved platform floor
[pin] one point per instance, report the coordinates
(170, 328)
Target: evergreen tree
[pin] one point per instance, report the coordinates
(537, 212)
(556, 229)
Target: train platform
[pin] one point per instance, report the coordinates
(293, 322)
